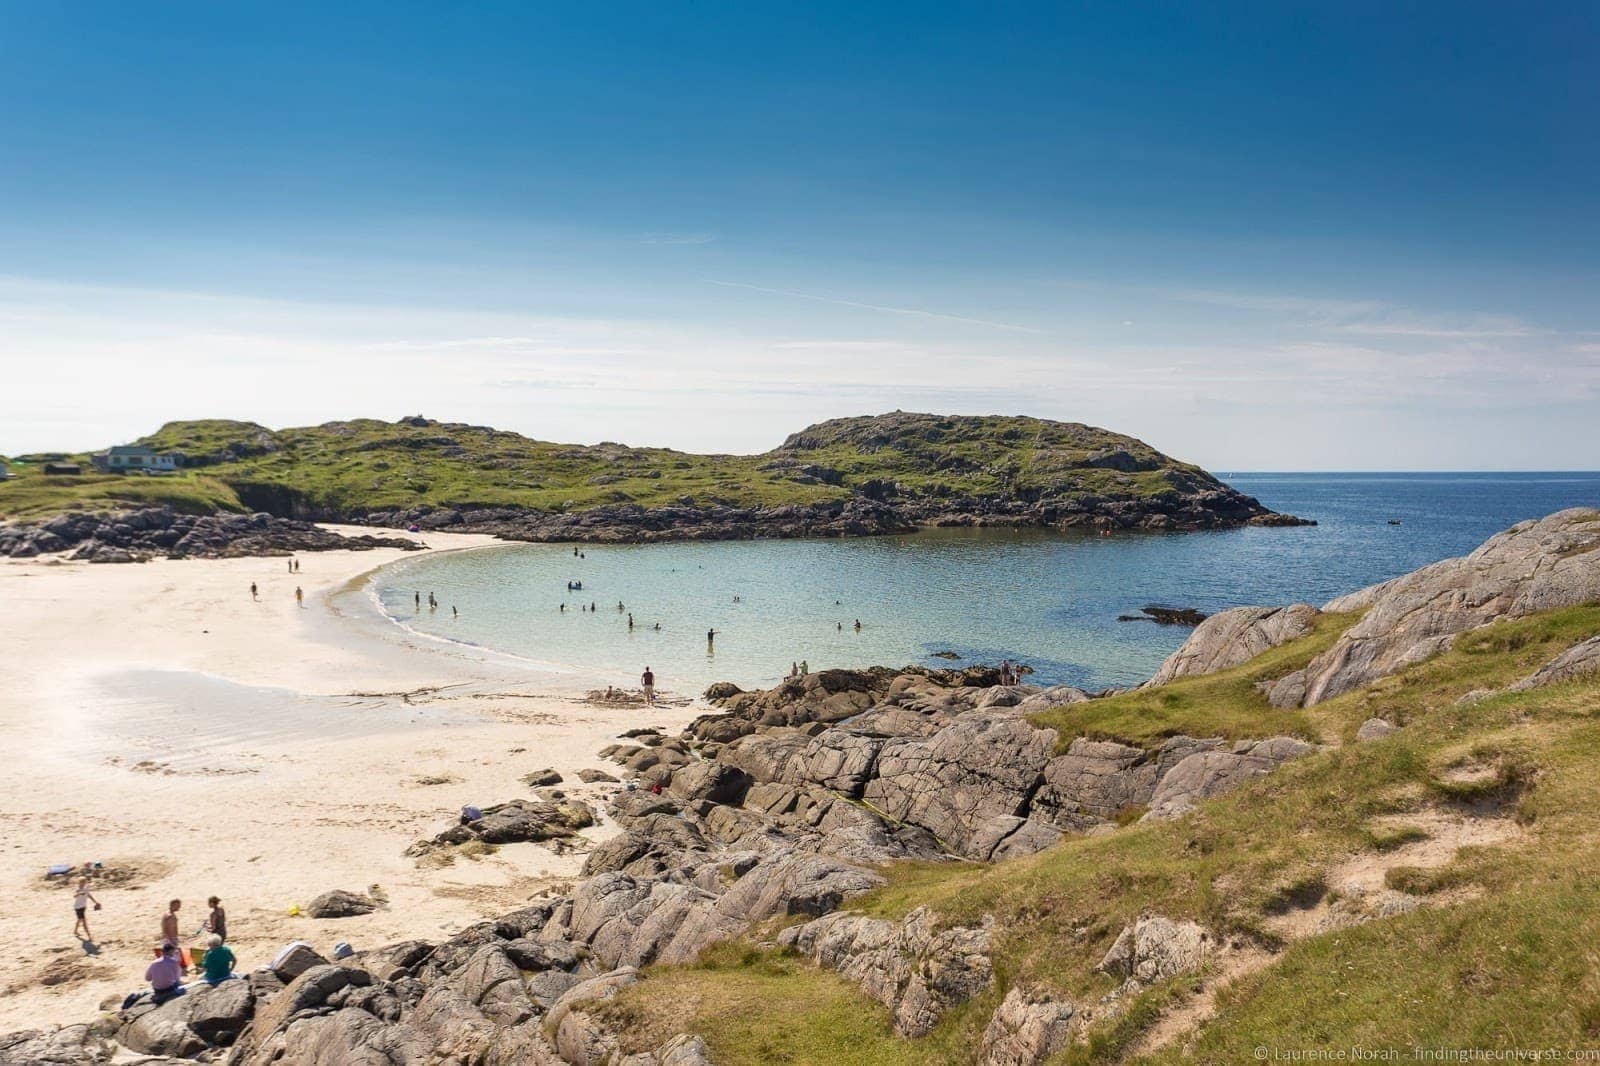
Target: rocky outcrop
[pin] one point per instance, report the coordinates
(64, 1045)
(134, 536)
(1533, 566)
(1579, 660)
(1027, 1028)
(912, 967)
(1211, 773)
(339, 903)
(1374, 729)
(1231, 637)
(515, 822)
(965, 783)
(1154, 948)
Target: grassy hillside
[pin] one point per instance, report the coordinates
(1499, 953)
(366, 465)
(31, 493)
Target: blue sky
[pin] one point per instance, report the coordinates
(1258, 235)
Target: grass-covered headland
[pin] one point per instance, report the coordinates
(869, 474)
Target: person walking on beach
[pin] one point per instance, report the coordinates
(648, 682)
(81, 898)
(291, 566)
(217, 920)
(299, 597)
(253, 595)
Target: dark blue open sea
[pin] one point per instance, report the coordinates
(1050, 600)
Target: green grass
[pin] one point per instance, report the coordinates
(34, 494)
(1224, 704)
(753, 1005)
(1503, 956)
(350, 468)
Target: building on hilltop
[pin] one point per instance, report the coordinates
(62, 468)
(136, 458)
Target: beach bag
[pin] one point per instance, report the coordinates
(183, 958)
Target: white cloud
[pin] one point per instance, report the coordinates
(916, 311)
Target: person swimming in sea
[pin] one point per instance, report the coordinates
(858, 625)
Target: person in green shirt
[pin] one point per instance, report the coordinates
(218, 963)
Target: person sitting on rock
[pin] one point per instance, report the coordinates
(165, 974)
(217, 966)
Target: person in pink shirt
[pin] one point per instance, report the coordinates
(165, 974)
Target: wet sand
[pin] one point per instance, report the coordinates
(156, 719)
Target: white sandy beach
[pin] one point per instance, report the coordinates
(158, 720)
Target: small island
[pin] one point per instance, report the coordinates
(860, 476)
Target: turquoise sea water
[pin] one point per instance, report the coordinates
(1049, 600)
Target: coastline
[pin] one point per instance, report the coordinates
(199, 742)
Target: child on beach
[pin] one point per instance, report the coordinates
(81, 898)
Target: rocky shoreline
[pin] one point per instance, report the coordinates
(858, 516)
(784, 803)
(136, 536)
